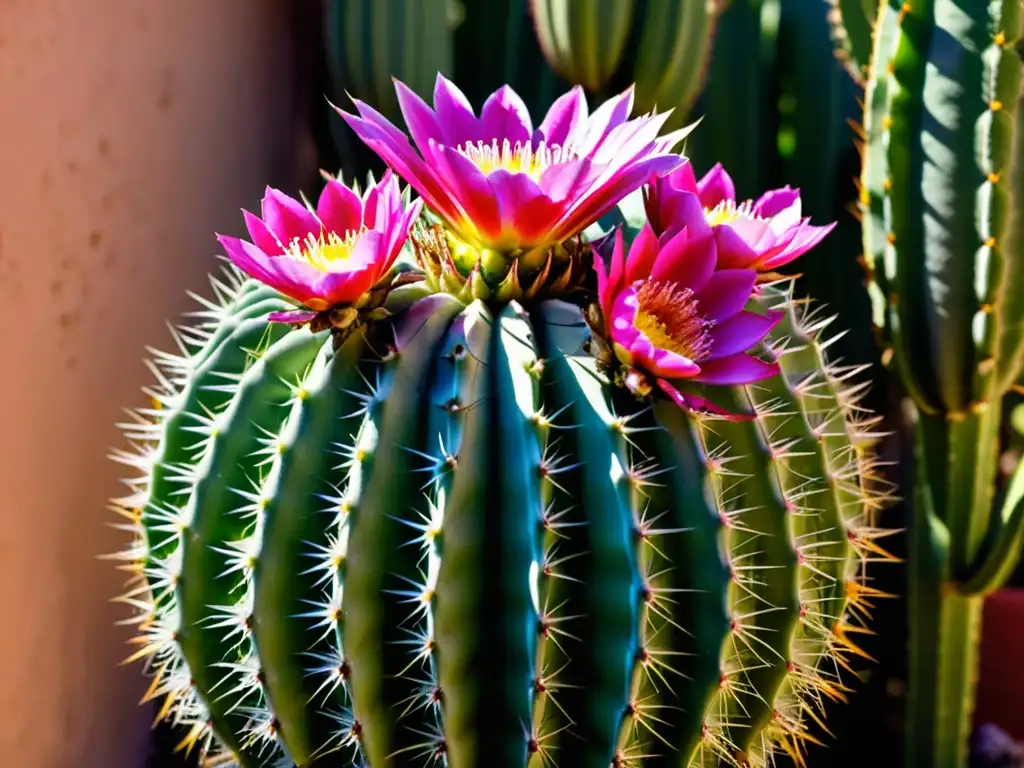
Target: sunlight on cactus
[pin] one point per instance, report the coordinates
(438, 515)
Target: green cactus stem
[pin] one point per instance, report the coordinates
(450, 537)
(583, 40)
(941, 174)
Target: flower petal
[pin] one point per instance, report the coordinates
(399, 155)
(292, 317)
(733, 251)
(697, 404)
(455, 115)
(339, 208)
(726, 293)
(775, 201)
(261, 235)
(469, 187)
(287, 218)
(291, 277)
(419, 117)
(526, 213)
(611, 114)
(716, 186)
(505, 116)
(805, 239)
(741, 332)
(686, 259)
(642, 254)
(565, 117)
(609, 282)
(736, 369)
(597, 202)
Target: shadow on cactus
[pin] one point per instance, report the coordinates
(452, 507)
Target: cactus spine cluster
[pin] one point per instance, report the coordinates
(450, 541)
(940, 196)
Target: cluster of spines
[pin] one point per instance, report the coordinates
(814, 490)
(658, 605)
(155, 557)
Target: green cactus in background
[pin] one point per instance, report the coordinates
(583, 40)
(463, 487)
(941, 193)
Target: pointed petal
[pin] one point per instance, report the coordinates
(642, 255)
(505, 116)
(736, 369)
(291, 277)
(726, 293)
(805, 239)
(687, 260)
(339, 208)
(716, 186)
(564, 119)
(741, 332)
(611, 114)
(399, 154)
(419, 117)
(287, 218)
(455, 115)
(261, 235)
(773, 202)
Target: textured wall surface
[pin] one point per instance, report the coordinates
(129, 132)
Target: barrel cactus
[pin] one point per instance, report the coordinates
(539, 491)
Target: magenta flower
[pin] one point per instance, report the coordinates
(764, 234)
(671, 313)
(502, 184)
(326, 257)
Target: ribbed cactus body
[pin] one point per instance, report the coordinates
(451, 541)
(583, 40)
(940, 191)
(673, 53)
(852, 25)
(369, 42)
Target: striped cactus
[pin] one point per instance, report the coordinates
(452, 540)
(940, 194)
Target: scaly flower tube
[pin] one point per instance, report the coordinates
(502, 184)
(763, 235)
(328, 257)
(671, 313)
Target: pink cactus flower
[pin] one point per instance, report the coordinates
(329, 256)
(763, 235)
(672, 313)
(501, 183)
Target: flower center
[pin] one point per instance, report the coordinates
(327, 253)
(669, 316)
(728, 211)
(515, 158)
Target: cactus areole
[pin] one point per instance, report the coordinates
(546, 493)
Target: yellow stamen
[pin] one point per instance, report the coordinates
(516, 158)
(668, 315)
(728, 211)
(327, 252)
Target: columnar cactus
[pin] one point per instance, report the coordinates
(491, 517)
(941, 194)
